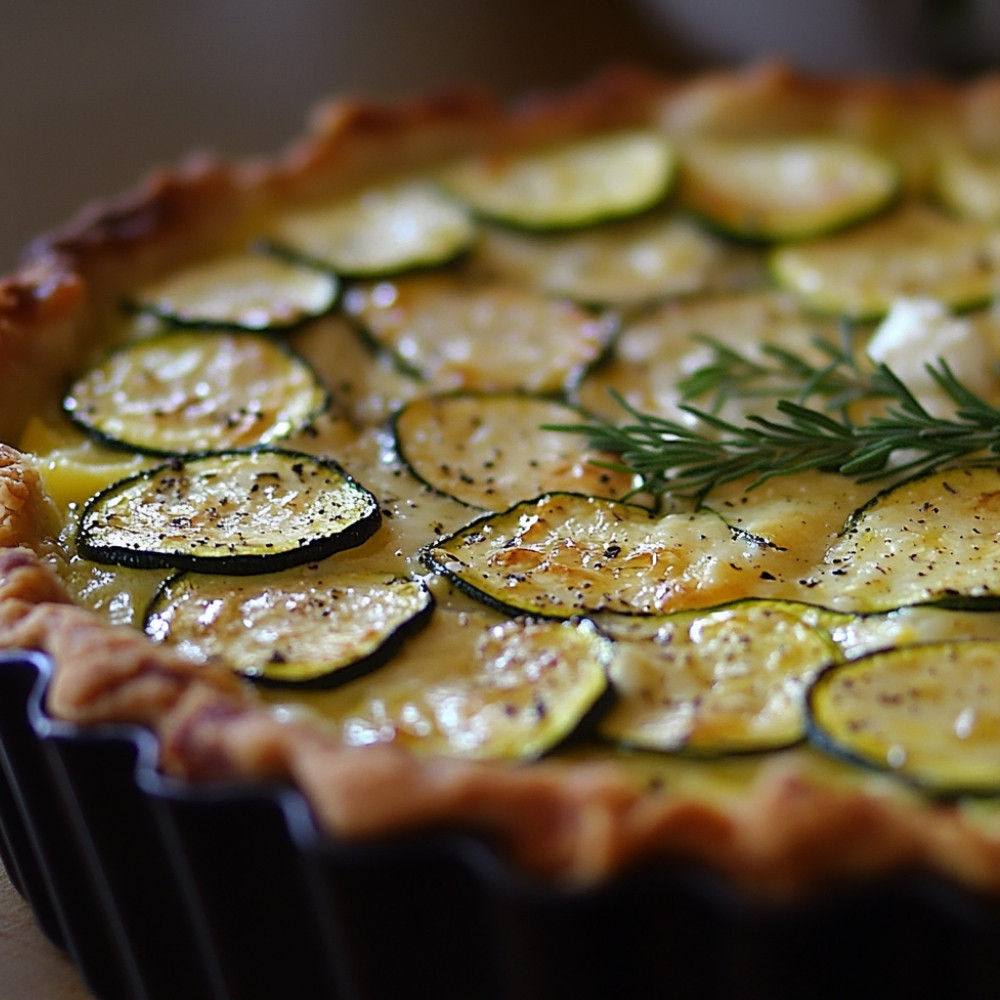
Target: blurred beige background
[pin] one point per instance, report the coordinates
(95, 92)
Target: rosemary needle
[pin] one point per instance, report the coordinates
(690, 461)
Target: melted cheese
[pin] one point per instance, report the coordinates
(781, 540)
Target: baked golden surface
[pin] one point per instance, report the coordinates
(699, 274)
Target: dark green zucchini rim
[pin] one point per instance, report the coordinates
(595, 221)
(487, 600)
(759, 239)
(337, 675)
(824, 741)
(119, 444)
(312, 550)
(175, 321)
(398, 452)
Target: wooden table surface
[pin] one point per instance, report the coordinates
(31, 968)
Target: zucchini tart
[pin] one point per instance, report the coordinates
(614, 475)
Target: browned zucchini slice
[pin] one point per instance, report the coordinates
(490, 451)
(457, 334)
(930, 540)
(242, 292)
(728, 680)
(479, 687)
(927, 713)
(236, 512)
(568, 185)
(309, 627)
(563, 554)
(187, 392)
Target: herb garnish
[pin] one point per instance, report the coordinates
(903, 438)
(782, 372)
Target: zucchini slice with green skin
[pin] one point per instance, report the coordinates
(860, 634)
(234, 512)
(727, 680)
(486, 337)
(629, 263)
(307, 627)
(927, 714)
(241, 292)
(489, 451)
(477, 688)
(187, 392)
(929, 540)
(568, 185)
(782, 190)
(379, 231)
(564, 554)
(915, 251)
(656, 354)
(967, 183)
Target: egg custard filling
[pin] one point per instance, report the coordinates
(622, 483)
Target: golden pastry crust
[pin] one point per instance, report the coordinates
(575, 820)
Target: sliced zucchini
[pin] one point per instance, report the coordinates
(366, 386)
(857, 635)
(379, 231)
(460, 335)
(475, 687)
(234, 512)
(968, 183)
(790, 189)
(925, 713)
(930, 540)
(655, 356)
(568, 185)
(626, 263)
(241, 292)
(306, 627)
(490, 451)
(563, 554)
(913, 252)
(187, 392)
(729, 680)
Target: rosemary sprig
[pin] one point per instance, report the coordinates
(781, 373)
(691, 461)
